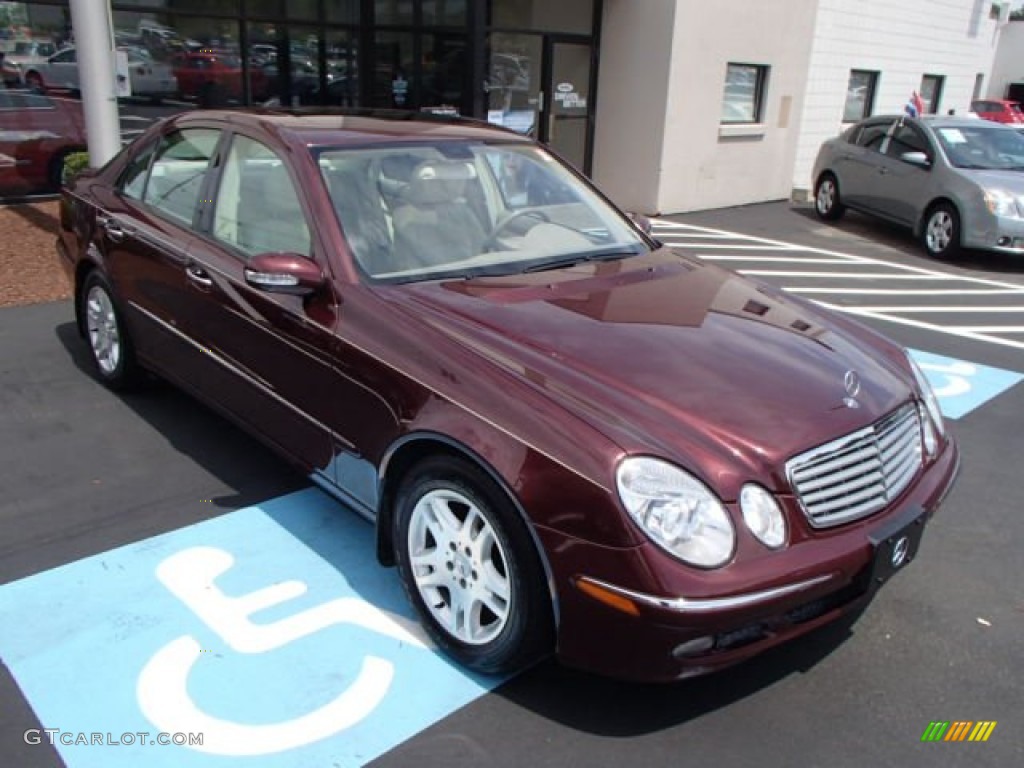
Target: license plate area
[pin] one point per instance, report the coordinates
(895, 545)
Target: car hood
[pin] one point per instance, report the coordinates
(673, 357)
(1012, 181)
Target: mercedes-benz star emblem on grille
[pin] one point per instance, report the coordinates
(899, 552)
(852, 383)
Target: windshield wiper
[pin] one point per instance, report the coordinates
(579, 258)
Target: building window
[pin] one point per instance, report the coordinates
(860, 95)
(743, 99)
(931, 92)
(979, 82)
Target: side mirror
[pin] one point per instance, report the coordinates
(919, 159)
(284, 273)
(641, 221)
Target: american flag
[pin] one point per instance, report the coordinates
(915, 106)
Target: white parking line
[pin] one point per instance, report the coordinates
(911, 291)
(850, 275)
(849, 280)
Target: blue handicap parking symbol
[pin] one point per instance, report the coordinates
(269, 633)
(962, 386)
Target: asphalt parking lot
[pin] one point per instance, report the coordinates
(100, 489)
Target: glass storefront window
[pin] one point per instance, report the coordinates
(284, 64)
(445, 72)
(302, 9)
(393, 71)
(342, 62)
(264, 8)
(513, 83)
(344, 11)
(444, 13)
(572, 16)
(393, 11)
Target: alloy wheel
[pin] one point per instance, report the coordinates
(940, 231)
(103, 330)
(459, 567)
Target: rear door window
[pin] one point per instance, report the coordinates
(178, 172)
(873, 134)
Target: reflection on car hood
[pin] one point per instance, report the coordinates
(1011, 181)
(674, 357)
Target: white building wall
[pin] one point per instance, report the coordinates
(1008, 66)
(659, 144)
(900, 40)
(636, 50)
(659, 147)
(706, 164)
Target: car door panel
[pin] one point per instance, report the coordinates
(276, 373)
(861, 163)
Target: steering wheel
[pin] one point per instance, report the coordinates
(502, 224)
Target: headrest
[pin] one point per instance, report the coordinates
(398, 167)
(438, 182)
(455, 170)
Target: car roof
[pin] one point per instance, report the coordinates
(331, 127)
(941, 121)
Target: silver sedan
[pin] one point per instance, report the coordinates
(955, 181)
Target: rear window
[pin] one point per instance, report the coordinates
(16, 100)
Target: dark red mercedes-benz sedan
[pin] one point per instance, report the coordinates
(570, 438)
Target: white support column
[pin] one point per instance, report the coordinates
(95, 52)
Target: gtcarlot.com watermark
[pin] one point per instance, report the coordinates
(55, 736)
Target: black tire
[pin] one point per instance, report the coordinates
(212, 95)
(34, 82)
(526, 633)
(940, 234)
(55, 171)
(118, 369)
(827, 202)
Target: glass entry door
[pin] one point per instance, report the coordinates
(539, 85)
(567, 100)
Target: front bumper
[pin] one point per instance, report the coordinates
(1001, 234)
(665, 631)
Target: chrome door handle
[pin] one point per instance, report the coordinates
(113, 228)
(197, 275)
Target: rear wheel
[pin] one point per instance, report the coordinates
(941, 234)
(469, 566)
(107, 335)
(827, 202)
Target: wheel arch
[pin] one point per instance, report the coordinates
(82, 270)
(408, 450)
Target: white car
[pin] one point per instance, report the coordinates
(149, 79)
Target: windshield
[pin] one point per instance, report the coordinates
(468, 209)
(983, 147)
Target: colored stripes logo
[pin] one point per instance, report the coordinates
(958, 730)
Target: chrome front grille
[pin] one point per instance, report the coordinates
(860, 473)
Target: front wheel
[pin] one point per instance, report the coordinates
(34, 82)
(108, 338)
(827, 203)
(941, 234)
(469, 566)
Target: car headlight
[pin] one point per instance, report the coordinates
(931, 402)
(763, 516)
(676, 511)
(1002, 203)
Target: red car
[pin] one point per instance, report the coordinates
(36, 134)
(999, 111)
(569, 437)
(213, 77)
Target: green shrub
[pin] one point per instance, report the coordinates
(74, 164)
